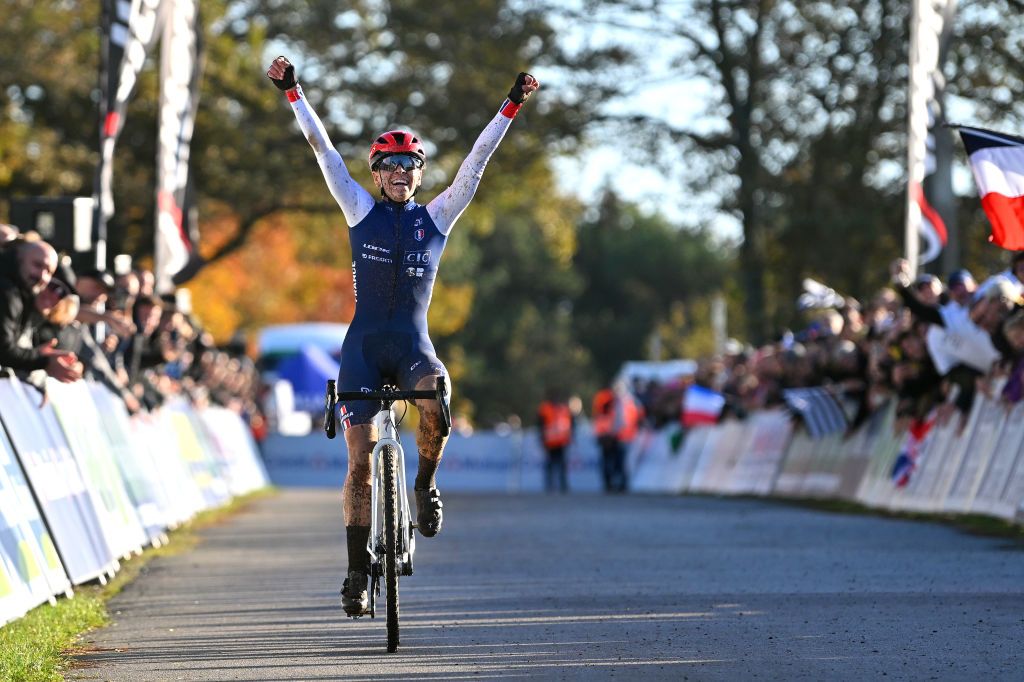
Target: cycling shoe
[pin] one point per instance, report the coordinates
(428, 512)
(354, 597)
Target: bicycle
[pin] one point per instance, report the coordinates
(392, 542)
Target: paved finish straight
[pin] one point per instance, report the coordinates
(579, 587)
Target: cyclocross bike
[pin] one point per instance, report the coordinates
(392, 544)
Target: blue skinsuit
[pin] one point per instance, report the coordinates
(395, 253)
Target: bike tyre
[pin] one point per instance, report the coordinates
(392, 555)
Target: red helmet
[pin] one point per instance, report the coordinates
(396, 142)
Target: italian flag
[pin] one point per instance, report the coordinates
(998, 164)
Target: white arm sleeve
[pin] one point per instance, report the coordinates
(446, 208)
(355, 201)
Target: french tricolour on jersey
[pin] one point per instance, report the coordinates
(998, 164)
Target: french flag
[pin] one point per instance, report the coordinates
(701, 406)
(998, 164)
(910, 453)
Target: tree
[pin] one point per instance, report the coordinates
(637, 270)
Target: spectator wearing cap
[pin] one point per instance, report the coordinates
(26, 268)
(961, 287)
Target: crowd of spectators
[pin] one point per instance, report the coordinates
(88, 324)
(929, 345)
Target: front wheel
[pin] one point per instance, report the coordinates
(391, 552)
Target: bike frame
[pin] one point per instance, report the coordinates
(405, 542)
(385, 423)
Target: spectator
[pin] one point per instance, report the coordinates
(961, 340)
(961, 288)
(94, 287)
(26, 267)
(1014, 273)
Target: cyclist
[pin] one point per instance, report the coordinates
(396, 245)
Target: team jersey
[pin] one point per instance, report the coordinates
(396, 248)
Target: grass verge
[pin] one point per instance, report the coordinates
(974, 524)
(37, 647)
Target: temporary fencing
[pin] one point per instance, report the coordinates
(83, 485)
(971, 466)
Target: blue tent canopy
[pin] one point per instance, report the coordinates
(308, 371)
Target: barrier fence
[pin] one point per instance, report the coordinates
(83, 485)
(976, 469)
(971, 467)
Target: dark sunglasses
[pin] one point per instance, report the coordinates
(55, 287)
(407, 162)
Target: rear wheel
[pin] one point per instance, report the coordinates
(391, 553)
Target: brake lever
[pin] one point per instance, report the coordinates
(330, 401)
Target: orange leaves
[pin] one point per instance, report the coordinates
(271, 279)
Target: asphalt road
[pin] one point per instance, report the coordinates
(580, 587)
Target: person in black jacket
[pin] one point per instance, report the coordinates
(26, 268)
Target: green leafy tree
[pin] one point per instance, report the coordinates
(640, 274)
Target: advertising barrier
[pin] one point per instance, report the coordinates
(82, 483)
(60, 489)
(486, 461)
(82, 427)
(30, 573)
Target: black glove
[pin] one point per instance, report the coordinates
(288, 82)
(516, 94)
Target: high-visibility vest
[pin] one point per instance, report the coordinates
(555, 424)
(631, 415)
(603, 413)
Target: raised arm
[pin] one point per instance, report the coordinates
(355, 202)
(446, 208)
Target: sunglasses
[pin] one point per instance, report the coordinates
(407, 162)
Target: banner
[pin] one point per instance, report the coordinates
(183, 499)
(188, 440)
(1009, 454)
(180, 69)
(129, 30)
(57, 481)
(145, 490)
(929, 20)
(236, 449)
(80, 421)
(761, 460)
(30, 571)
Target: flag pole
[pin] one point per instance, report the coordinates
(917, 132)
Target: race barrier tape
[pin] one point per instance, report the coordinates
(84, 485)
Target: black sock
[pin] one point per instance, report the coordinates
(358, 557)
(425, 474)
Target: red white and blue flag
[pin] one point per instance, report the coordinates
(702, 406)
(998, 164)
(910, 453)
